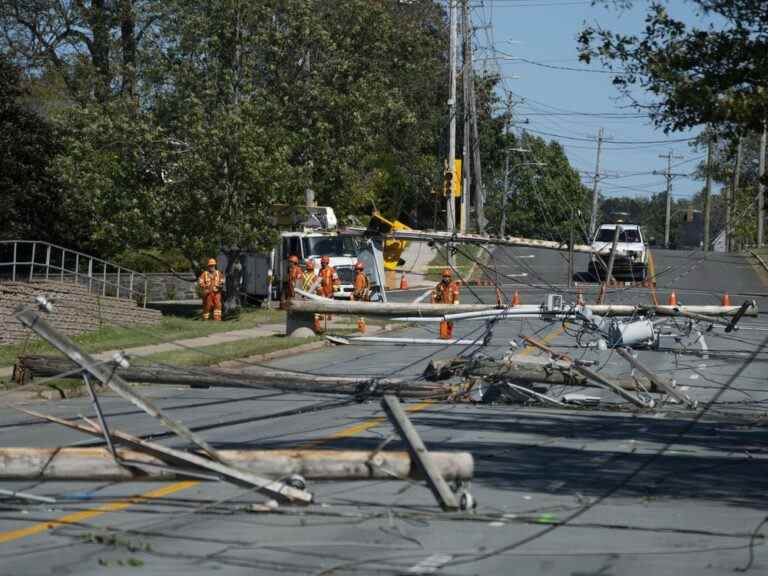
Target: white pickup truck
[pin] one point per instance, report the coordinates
(631, 260)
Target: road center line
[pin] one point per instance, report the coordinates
(119, 505)
(545, 340)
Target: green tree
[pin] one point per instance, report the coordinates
(30, 193)
(544, 191)
(695, 75)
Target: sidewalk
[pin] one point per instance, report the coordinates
(219, 338)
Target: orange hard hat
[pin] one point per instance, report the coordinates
(325, 260)
(310, 264)
(212, 262)
(359, 266)
(293, 258)
(447, 273)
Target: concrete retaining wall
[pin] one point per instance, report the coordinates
(171, 287)
(75, 309)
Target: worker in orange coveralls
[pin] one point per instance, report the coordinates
(446, 292)
(293, 275)
(211, 284)
(329, 280)
(361, 289)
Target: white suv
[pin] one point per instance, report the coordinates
(631, 259)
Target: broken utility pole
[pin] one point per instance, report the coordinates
(591, 374)
(97, 464)
(419, 453)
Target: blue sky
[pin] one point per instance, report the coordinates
(545, 31)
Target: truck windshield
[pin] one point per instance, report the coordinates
(331, 246)
(606, 235)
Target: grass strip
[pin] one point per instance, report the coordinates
(169, 329)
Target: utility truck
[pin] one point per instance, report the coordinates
(308, 232)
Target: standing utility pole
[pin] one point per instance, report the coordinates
(708, 190)
(668, 174)
(505, 191)
(466, 79)
(450, 216)
(761, 193)
(593, 219)
(730, 199)
(479, 190)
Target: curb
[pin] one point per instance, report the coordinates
(33, 393)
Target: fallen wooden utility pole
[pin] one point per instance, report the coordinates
(448, 237)
(379, 309)
(410, 310)
(419, 453)
(109, 378)
(525, 370)
(169, 455)
(106, 376)
(591, 374)
(97, 464)
(50, 366)
(662, 383)
(665, 309)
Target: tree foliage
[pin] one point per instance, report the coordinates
(180, 125)
(714, 74)
(30, 194)
(545, 192)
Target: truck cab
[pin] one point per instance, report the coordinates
(342, 251)
(631, 260)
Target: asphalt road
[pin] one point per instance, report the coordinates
(576, 491)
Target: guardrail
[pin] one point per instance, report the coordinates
(28, 260)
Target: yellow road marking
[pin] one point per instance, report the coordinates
(98, 511)
(363, 426)
(119, 505)
(545, 340)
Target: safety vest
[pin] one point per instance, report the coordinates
(446, 293)
(307, 280)
(211, 282)
(361, 289)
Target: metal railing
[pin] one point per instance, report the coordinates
(28, 260)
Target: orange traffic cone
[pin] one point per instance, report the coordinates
(403, 282)
(361, 327)
(318, 325)
(726, 301)
(446, 329)
(516, 298)
(580, 297)
(672, 299)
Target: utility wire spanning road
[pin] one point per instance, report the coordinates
(658, 494)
